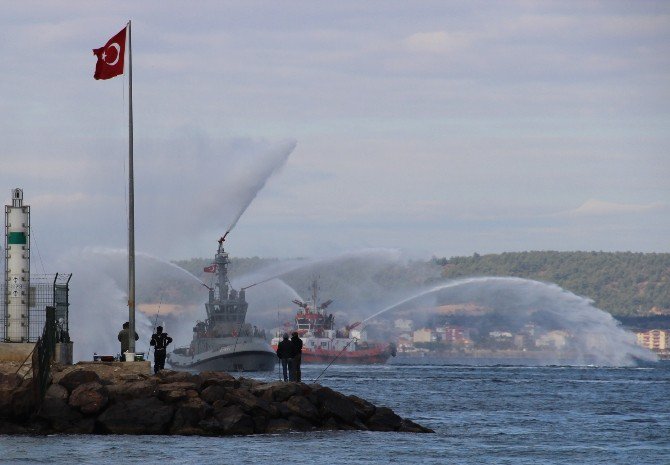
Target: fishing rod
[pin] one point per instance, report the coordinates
(279, 373)
(160, 302)
(353, 339)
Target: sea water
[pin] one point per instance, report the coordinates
(502, 414)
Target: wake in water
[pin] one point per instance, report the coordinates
(594, 336)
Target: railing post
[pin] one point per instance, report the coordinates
(44, 354)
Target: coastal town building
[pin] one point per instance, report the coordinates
(552, 340)
(403, 324)
(423, 335)
(455, 335)
(654, 339)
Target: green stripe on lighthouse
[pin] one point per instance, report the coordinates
(16, 238)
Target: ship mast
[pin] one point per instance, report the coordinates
(226, 308)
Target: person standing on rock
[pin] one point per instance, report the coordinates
(297, 357)
(123, 338)
(285, 354)
(160, 341)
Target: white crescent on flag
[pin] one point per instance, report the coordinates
(118, 53)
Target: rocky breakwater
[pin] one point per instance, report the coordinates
(95, 399)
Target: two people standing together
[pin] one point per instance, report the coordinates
(159, 341)
(289, 352)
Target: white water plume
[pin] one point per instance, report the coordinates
(203, 187)
(594, 336)
(99, 297)
(254, 180)
(285, 267)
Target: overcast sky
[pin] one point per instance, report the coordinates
(439, 128)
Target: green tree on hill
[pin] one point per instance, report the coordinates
(622, 283)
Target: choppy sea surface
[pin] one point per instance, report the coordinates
(502, 414)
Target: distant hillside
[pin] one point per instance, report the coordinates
(621, 283)
(631, 285)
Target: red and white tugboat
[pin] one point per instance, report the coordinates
(322, 343)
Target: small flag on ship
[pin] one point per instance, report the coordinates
(210, 269)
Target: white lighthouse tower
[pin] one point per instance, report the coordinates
(17, 269)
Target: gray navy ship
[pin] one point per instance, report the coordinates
(224, 341)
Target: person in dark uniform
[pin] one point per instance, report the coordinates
(297, 357)
(285, 354)
(123, 339)
(160, 341)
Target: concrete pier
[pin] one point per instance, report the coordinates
(15, 351)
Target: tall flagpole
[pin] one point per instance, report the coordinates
(131, 204)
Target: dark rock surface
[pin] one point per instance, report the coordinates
(90, 398)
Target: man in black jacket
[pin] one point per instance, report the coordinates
(160, 341)
(297, 357)
(285, 354)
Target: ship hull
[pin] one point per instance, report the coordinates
(250, 355)
(358, 357)
(371, 356)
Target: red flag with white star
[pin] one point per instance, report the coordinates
(210, 269)
(110, 57)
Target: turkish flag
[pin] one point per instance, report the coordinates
(110, 57)
(210, 269)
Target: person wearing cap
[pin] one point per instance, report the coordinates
(285, 354)
(297, 357)
(160, 341)
(123, 338)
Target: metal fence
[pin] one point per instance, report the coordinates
(45, 290)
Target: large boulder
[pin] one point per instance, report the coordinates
(298, 423)
(9, 428)
(408, 426)
(176, 391)
(334, 404)
(226, 383)
(18, 403)
(10, 380)
(260, 423)
(364, 409)
(332, 424)
(249, 402)
(279, 390)
(137, 416)
(89, 398)
(384, 419)
(219, 375)
(278, 425)
(64, 419)
(56, 391)
(281, 409)
(189, 414)
(213, 393)
(249, 383)
(299, 405)
(229, 421)
(6, 403)
(169, 376)
(132, 390)
(78, 377)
